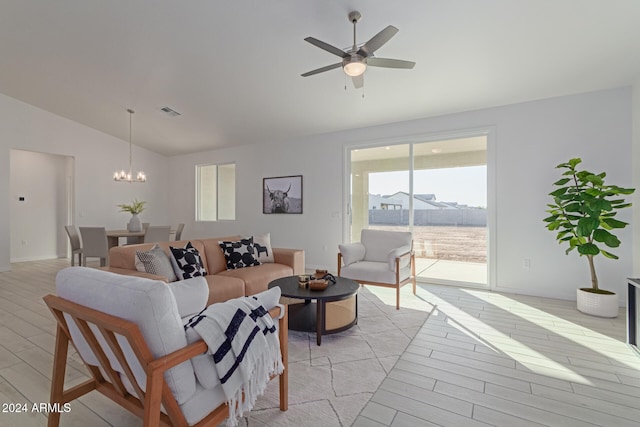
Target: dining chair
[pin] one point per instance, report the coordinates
(76, 246)
(179, 231)
(94, 244)
(157, 233)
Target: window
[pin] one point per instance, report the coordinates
(216, 192)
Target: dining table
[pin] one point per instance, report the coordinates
(113, 236)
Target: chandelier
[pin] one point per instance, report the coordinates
(124, 175)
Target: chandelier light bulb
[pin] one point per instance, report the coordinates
(124, 176)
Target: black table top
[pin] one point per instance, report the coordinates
(341, 289)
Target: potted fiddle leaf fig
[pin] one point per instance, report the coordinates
(583, 217)
(136, 207)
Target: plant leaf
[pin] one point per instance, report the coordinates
(562, 181)
(614, 223)
(586, 226)
(588, 249)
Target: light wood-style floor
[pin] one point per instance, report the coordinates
(481, 359)
(486, 358)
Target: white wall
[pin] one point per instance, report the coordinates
(636, 176)
(97, 156)
(37, 221)
(531, 138)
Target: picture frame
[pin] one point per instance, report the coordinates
(282, 195)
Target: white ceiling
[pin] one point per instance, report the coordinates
(232, 68)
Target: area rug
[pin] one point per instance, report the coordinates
(330, 384)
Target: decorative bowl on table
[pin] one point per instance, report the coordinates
(318, 284)
(319, 274)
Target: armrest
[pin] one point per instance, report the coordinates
(352, 252)
(294, 258)
(403, 254)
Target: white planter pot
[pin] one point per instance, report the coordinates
(601, 305)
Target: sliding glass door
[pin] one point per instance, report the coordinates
(437, 190)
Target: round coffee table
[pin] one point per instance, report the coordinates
(335, 309)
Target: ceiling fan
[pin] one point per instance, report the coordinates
(356, 59)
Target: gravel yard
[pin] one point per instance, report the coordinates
(467, 244)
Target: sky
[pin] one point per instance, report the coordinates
(465, 185)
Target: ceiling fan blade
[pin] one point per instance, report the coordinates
(390, 63)
(326, 46)
(377, 41)
(322, 70)
(358, 81)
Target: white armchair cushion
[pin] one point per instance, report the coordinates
(191, 295)
(395, 253)
(148, 303)
(371, 271)
(378, 243)
(352, 252)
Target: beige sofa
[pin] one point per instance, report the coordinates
(223, 284)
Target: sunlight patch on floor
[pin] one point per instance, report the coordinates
(556, 325)
(488, 336)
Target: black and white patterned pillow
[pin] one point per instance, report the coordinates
(262, 245)
(187, 262)
(155, 261)
(239, 254)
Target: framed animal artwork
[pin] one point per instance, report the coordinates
(282, 195)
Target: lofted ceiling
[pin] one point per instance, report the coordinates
(232, 68)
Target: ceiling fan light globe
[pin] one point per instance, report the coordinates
(354, 65)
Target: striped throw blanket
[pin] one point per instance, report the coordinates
(245, 348)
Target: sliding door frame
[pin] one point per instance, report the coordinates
(488, 131)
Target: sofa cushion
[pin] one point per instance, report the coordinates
(222, 288)
(215, 257)
(262, 244)
(187, 262)
(156, 261)
(239, 254)
(256, 279)
(147, 303)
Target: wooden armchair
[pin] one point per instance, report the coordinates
(381, 258)
(124, 368)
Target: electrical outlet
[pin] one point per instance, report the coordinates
(526, 263)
